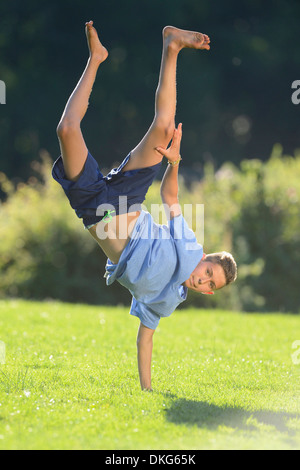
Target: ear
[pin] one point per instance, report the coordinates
(203, 256)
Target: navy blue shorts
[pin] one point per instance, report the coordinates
(116, 193)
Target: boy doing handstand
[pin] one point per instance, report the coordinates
(156, 263)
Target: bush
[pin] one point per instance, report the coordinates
(268, 232)
(252, 211)
(45, 252)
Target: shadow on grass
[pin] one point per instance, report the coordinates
(209, 416)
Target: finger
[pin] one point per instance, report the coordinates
(178, 133)
(179, 129)
(160, 150)
(175, 140)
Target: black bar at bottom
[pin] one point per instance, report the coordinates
(142, 458)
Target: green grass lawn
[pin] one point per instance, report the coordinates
(221, 380)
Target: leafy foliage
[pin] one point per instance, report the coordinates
(252, 211)
(231, 100)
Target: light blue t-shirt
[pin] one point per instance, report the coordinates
(153, 266)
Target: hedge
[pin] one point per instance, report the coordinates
(252, 211)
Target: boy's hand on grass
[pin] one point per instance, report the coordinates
(173, 152)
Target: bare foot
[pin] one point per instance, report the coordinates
(180, 38)
(97, 50)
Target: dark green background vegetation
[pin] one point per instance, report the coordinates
(235, 105)
(254, 58)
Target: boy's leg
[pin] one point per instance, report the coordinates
(163, 125)
(73, 148)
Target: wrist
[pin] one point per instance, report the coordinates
(175, 162)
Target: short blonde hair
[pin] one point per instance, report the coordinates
(227, 262)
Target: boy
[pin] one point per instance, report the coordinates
(156, 263)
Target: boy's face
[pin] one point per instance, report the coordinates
(206, 277)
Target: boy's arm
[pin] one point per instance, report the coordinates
(169, 191)
(169, 185)
(144, 353)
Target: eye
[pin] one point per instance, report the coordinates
(209, 272)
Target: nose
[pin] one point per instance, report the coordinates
(204, 280)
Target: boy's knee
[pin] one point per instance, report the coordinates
(66, 127)
(165, 127)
